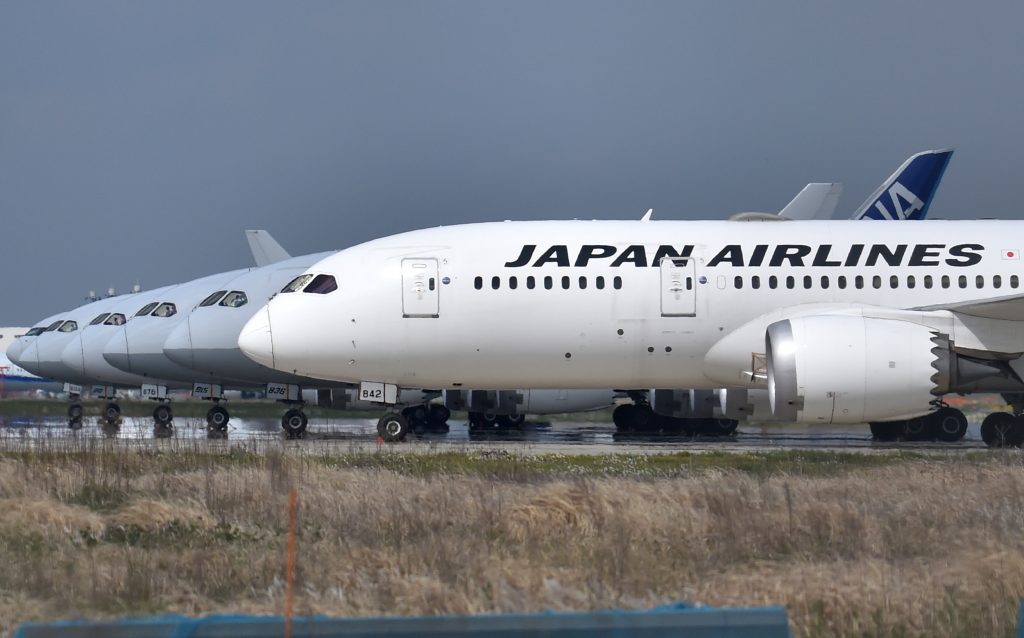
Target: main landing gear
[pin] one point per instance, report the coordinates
(640, 418)
(1002, 429)
(945, 424)
(484, 422)
(419, 419)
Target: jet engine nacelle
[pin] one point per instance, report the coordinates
(850, 369)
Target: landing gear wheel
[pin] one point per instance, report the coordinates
(947, 424)
(217, 420)
(511, 421)
(112, 413)
(75, 412)
(163, 415)
(1002, 429)
(722, 427)
(886, 431)
(294, 423)
(636, 418)
(163, 430)
(392, 428)
(915, 429)
(438, 415)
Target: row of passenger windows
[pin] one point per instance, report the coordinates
(859, 281)
(318, 284)
(548, 282)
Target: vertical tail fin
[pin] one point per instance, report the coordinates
(815, 201)
(265, 249)
(908, 192)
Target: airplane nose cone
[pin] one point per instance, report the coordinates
(29, 358)
(116, 352)
(178, 346)
(256, 339)
(14, 352)
(72, 356)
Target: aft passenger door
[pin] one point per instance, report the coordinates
(419, 288)
(678, 287)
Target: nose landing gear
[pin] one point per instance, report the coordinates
(217, 422)
(294, 423)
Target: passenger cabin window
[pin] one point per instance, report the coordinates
(565, 282)
(212, 299)
(979, 281)
(321, 285)
(599, 282)
(513, 282)
(297, 284)
(824, 282)
(478, 282)
(531, 283)
(495, 283)
(68, 326)
(927, 281)
(945, 281)
(894, 281)
(858, 282)
(876, 282)
(997, 281)
(1014, 281)
(841, 282)
(790, 282)
(755, 282)
(737, 282)
(166, 309)
(911, 282)
(145, 310)
(583, 283)
(962, 281)
(116, 319)
(808, 282)
(617, 282)
(548, 283)
(234, 299)
(98, 320)
(773, 282)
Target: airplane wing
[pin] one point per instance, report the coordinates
(1010, 307)
(265, 249)
(815, 201)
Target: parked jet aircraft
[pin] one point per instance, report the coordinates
(836, 324)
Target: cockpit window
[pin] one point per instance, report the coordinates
(69, 326)
(53, 326)
(36, 331)
(321, 285)
(297, 283)
(98, 320)
(165, 310)
(234, 299)
(145, 310)
(212, 299)
(116, 319)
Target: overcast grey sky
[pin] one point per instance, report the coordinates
(139, 139)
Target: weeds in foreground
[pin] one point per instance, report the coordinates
(851, 545)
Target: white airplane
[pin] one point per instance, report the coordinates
(839, 323)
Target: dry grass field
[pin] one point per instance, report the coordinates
(851, 545)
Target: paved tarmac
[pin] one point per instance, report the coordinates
(536, 436)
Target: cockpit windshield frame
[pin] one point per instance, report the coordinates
(298, 283)
(212, 299)
(145, 310)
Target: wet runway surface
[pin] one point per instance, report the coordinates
(540, 436)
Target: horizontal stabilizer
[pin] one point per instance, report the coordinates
(265, 249)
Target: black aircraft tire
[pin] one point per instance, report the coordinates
(392, 428)
(916, 429)
(948, 424)
(998, 430)
(438, 414)
(294, 423)
(75, 412)
(217, 418)
(163, 414)
(886, 430)
(112, 413)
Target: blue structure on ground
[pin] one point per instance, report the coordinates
(679, 620)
